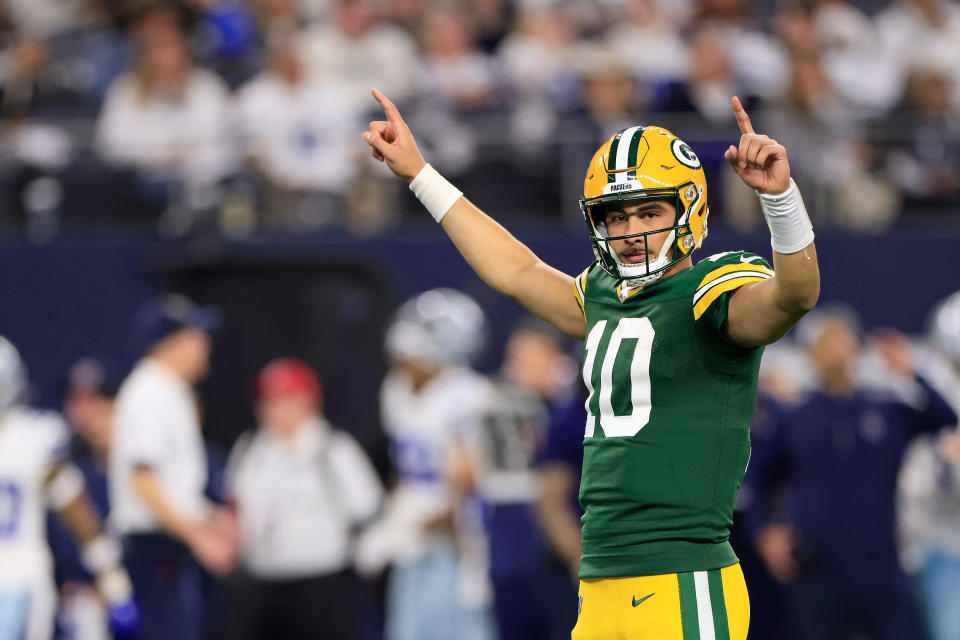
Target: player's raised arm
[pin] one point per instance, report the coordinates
(501, 260)
(763, 312)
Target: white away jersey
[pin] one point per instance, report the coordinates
(32, 443)
(423, 426)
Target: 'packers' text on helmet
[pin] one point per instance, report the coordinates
(646, 163)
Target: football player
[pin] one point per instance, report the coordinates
(928, 507)
(33, 474)
(671, 359)
(431, 530)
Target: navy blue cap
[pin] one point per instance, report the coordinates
(165, 315)
(95, 374)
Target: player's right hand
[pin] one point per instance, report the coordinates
(390, 141)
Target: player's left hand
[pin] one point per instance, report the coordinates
(760, 161)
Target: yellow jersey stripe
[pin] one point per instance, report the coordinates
(583, 279)
(580, 304)
(701, 306)
(702, 291)
(579, 283)
(729, 268)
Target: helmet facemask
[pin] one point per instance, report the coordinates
(677, 245)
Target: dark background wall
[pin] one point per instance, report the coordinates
(328, 300)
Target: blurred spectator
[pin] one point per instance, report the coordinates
(228, 39)
(44, 18)
(847, 41)
(539, 62)
(430, 530)
(709, 82)
(165, 119)
(650, 43)
(610, 102)
(358, 51)
(158, 471)
(61, 69)
(828, 157)
(929, 489)
(296, 482)
(299, 137)
(925, 159)
(756, 58)
(534, 595)
(316, 10)
(45, 77)
(88, 407)
(454, 70)
(492, 21)
(921, 32)
(838, 453)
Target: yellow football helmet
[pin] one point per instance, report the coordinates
(643, 163)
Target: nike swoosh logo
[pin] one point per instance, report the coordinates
(750, 259)
(636, 602)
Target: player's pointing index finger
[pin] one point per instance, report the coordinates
(743, 120)
(390, 109)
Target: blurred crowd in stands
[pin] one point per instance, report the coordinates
(232, 116)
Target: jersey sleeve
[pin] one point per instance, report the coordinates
(580, 288)
(724, 274)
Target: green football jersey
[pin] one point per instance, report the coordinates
(668, 419)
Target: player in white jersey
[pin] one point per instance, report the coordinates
(928, 496)
(430, 530)
(34, 474)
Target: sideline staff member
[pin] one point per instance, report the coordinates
(158, 471)
(301, 488)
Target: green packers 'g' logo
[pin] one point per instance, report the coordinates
(683, 153)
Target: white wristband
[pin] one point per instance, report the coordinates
(435, 192)
(790, 227)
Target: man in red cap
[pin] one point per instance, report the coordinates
(301, 488)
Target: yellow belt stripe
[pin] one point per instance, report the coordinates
(700, 308)
(729, 268)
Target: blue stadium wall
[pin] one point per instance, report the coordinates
(328, 300)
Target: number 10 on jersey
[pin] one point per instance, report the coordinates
(638, 377)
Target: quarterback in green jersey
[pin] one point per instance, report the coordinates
(672, 353)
